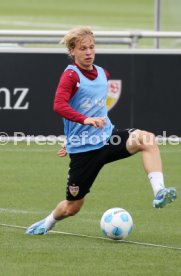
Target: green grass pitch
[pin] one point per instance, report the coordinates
(56, 14)
(130, 15)
(102, 14)
(33, 180)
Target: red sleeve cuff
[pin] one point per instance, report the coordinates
(82, 119)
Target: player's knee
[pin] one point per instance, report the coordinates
(140, 140)
(148, 138)
(143, 139)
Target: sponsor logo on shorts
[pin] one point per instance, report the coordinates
(74, 190)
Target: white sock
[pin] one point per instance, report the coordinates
(50, 221)
(156, 181)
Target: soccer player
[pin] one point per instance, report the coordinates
(91, 139)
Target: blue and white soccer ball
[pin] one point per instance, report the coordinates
(116, 223)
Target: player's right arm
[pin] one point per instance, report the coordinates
(67, 87)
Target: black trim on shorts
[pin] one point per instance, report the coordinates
(85, 166)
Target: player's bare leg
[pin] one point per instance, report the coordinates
(63, 210)
(67, 208)
(144, 142)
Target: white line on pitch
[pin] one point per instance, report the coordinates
(13, 226)
(28, 150)
(98, 238)
(34, 24)
(31, 23)
(16, 211)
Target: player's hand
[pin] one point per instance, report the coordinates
(95, 121)
(62, 151)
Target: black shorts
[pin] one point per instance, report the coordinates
(85, 166)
